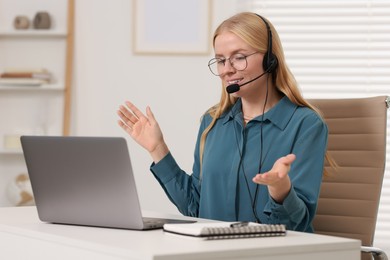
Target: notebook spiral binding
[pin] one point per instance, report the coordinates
(268, 230)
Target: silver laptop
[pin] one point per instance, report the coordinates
(85, 181)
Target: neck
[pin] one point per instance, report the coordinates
(254, 106)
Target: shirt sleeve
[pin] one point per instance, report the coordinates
(298, 208)
(181, 188)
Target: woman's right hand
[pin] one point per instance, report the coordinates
(145, 130)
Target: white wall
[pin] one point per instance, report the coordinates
(106, 73)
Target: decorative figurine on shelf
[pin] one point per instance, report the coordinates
(21, 22)
(19, 191)
(42, 20)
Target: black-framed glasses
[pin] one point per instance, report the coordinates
(237, 61)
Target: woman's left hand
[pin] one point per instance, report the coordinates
(277, 178)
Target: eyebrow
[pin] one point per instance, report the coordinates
(239, 51)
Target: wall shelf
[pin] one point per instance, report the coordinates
(43, 88)
(33, 33)
(28, 107)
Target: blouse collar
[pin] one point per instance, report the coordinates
(279, 115)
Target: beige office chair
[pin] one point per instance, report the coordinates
(350, 193)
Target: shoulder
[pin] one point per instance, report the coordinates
(309, 121)
(306, 114)
(206, 119)
(290, 116)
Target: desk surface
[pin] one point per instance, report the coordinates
(23, 236)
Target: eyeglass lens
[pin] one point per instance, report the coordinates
(237, 61)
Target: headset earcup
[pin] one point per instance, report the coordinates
(270, 62)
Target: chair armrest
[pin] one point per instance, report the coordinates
(376, 252)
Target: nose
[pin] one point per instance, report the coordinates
(228, 68)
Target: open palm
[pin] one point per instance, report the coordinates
(144, 129)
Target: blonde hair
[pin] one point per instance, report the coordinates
(250, 28)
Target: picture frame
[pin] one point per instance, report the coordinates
(171, 27)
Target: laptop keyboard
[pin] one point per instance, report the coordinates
(164, 220)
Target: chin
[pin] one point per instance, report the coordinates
(236, 94)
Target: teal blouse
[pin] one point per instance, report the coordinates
(232, 158)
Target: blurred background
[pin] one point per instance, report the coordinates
(133, 50)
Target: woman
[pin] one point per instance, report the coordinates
(260, 151)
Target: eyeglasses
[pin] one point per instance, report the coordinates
(237, 61)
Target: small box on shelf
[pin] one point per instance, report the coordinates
(12, 142)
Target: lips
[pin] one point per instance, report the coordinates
(235, 81)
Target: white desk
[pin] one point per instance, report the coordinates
(23, 236)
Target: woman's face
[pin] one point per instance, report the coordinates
(228, 45)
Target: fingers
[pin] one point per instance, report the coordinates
(288, 159)
(269, 178)
(127, 116)
(282, 165)
(150, 114)
(279, 171)
(134, 110)
(130, 114)
(125, 127)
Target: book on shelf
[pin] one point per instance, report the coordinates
(226, 230)
(25, 77)
(32, 75)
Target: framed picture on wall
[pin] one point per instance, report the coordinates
(171, 26)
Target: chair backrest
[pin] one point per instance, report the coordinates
(349, 197)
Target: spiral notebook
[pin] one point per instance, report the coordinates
(226, 230)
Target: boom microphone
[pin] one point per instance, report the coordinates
(236, 87)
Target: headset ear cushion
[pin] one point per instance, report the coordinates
(270, 62)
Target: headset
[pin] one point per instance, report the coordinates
(270, 61)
